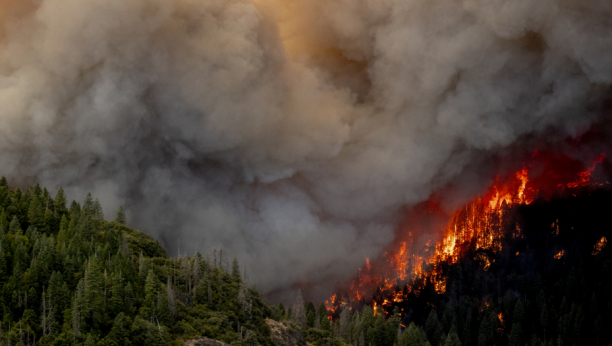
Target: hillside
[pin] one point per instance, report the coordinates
(550, 285)
(69, 277)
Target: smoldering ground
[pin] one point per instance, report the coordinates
(289, 132)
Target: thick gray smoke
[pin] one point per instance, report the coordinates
(289, 132)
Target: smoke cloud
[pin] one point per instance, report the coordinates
(290, 132)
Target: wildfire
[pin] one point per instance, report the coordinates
(600, 245)
(585, 177)
(555, 227)
(501, 318)
(398, 297)
(478, 227)
(483, 259)
(330, 304)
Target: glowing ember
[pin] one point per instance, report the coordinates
(555, 227)
(560, 254)
(600, 245)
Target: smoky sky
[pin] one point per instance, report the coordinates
(289, 132)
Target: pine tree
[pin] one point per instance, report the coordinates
(88, 205)
(322, 317)
(310, 314)
(411, 336)
(120, 216)
(544, 319)
(519, 313)
(281, 310)
(117, 293)
(171, 299)
(344, 323)
(151, 291)
(76, 320)
(516, 336)
(14, 226)
(235, 269)
(298, 313)
(60, 201)
(430, 326)
(36, 213)
(245, 301)
(452, 340)
(97, 211)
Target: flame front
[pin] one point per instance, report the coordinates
(477, 227)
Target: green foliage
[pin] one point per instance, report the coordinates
(73, 278)
(411, 337)
(120, 216)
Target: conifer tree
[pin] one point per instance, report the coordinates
(411, 336)
(544, 319)
(452, 340)
(298, 313)
(322, 317)
(97, 212)
(36, 213)
(281, 310)
(516, 336)
(14, 226)
(120, 216)
(151, 292)
(60, 201)
(235, 269)
(88, 205)
(171, 299)
(117, 292)
(519, 313)
(310, 314)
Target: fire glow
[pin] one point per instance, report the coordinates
(600, 245)
(478, 228)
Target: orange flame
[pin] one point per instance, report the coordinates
(478, 226)
(600, 245)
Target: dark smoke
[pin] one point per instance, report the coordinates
(291, 133)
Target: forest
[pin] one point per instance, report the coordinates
(70, 277)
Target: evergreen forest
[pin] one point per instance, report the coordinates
(70, 277)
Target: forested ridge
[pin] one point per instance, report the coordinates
(69, 277)
(550, 285)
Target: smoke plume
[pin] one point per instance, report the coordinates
(289, 132)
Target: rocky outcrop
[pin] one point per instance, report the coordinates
(203, 341)
(285, 334)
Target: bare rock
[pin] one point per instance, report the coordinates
(203, 341)
(285, 333)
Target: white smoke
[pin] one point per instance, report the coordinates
(291, 133)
